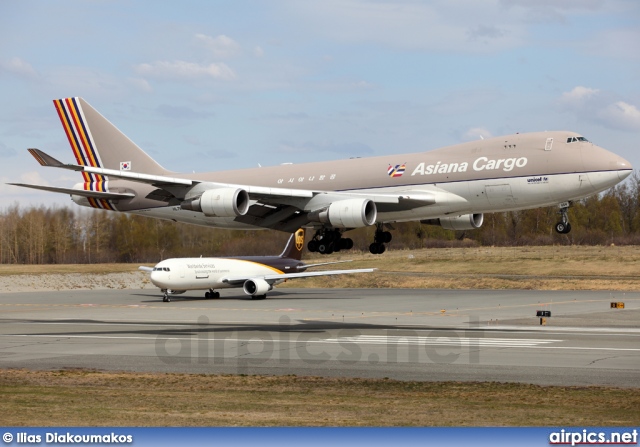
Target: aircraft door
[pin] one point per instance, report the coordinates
(499, 195)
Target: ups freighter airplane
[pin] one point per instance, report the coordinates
(452, 186)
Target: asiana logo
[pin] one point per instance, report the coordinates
(397, 170)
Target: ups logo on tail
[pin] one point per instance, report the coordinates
(299, 239)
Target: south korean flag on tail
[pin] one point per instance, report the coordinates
(125, 166)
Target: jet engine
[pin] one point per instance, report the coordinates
(256, 287)
(464, 222)
(220, 202)
(350, 213)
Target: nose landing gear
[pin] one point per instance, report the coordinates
(563, 227)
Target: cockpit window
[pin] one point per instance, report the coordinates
(575, 139)
(161, 269)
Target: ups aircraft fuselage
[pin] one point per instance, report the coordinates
(451, 186)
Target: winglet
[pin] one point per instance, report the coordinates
(44, 159)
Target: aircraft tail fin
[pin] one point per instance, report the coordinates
(97, 143)
(295, 245)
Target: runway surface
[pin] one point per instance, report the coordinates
(405, 334)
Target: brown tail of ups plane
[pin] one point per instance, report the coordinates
(295, 245)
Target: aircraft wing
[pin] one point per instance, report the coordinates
(79, 192)
(275, 277)
(276, 208)
(306, 266)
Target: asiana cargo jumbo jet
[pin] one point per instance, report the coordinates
(451, 186)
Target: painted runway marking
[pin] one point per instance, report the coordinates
(442, 341)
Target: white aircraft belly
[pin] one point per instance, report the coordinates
(498, 195)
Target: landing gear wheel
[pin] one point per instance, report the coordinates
(166, 298)
(327, 241)
(325, 249)
(258, 297)
(379, 239)
(563, 227)
(377, 248)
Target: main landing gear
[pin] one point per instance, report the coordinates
(379, 239)
(563, 227)
(212, 294)
(326, 241)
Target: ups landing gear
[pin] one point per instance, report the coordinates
(165, 297)
(380, 238)
(327, 241)
(212, 294)
(563, 227)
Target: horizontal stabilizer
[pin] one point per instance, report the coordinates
(79, 192)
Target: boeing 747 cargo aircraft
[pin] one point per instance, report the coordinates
(452, 186)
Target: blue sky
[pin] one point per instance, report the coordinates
(212, 85)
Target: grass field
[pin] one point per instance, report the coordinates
(88, 398)
(544, 268)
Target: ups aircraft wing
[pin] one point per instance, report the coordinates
(278, 208)
(236, 280)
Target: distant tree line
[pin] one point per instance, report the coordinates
(54, 235)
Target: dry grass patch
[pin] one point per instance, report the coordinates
(92, 398)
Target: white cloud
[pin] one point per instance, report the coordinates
(578, 93)
(603, 108)
(181, 70)
(140, 84)
(622, 115)
(623, 43)
(18, 67)
(476, 133)
(465, 25)
(221, 46)
(258, 52)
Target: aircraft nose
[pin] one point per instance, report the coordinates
(155, 276)
(624, 168)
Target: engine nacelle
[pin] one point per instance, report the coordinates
(220, 202)
(464, 222)
(256, 287)
(350, 213)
